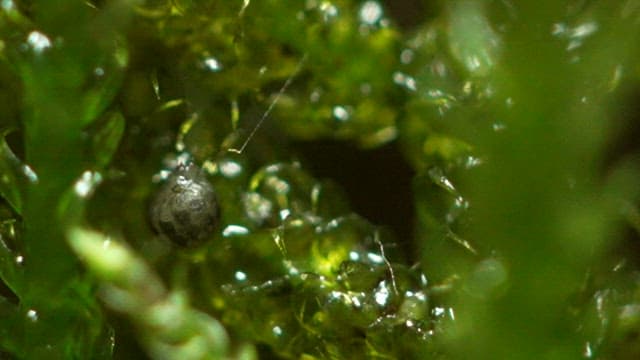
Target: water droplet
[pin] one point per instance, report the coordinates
(461, 203)
(19, 260)
(340, 113)
(438, 177)
(558, 29)
(212, 64)
(98, 71)
(472, 161)
(375, 258)
(87, 183)
(574, 35)
(284, 214)
(30, 174)
(162, 175)
(370, 12)
(257, 207)
(487, 278)
(38, 41)
(365, 89)
(277, 331)
(509, 102)
(315, 95)
(574, 44)
(7, 5)
(381, 294)
(423, 280)
(405, 81)
(121, 56)
(240, 276)
(616, 77)
(277, 184)
(329, 11)
(230, 169)
(439, 68)
(420, 296)
(498, 126)
(172, 162)
(588, 353)
(406, 56)
(278, 239)
(292, 270)
(272, 168)
(32, 315)
(584, 30)
(473, 63)
(472, 40)
(234, 230)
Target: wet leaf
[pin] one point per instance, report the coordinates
(15, 176)
(106, 138)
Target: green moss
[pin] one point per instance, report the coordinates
(506, 112)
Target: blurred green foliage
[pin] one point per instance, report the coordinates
(517, 118)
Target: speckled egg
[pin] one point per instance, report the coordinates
(185, 208)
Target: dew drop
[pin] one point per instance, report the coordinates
(584, 30)
(257, 207)
(329, 11)
(314, 97)
(558, 29)
(405, 81)
(498, 126)
(240, 276)
(284, 214)
(32, 315)
(341, 113)
(406, 56)
(381, 295)
(375, 258)
(277, 184)
(409, 323)
(87, 183)
(7, 5)
(509, 102)
(438, 311)
(212, 64)
(234, 230)
(365, 89)
(588, 352)
(277, 331)
(230, 169)
(30, 174)
(38, 41)
(370, 12)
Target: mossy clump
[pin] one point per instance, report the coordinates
(526, 220)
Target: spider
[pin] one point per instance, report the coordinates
(185, 208)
